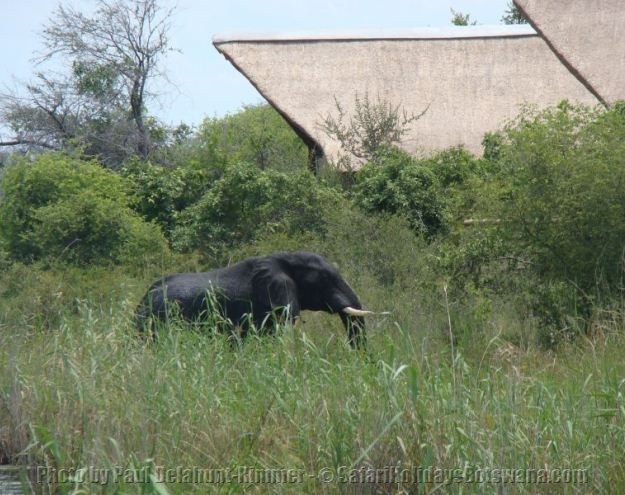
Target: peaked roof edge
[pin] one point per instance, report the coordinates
(560, 55)
(304, 135)
(424, 33)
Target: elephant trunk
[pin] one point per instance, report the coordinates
(345, 302)
(355, 326)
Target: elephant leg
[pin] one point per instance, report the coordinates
(276, 302)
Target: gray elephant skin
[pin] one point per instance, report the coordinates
(263, 289)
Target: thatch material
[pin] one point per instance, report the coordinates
(471, 79)
(587, 35)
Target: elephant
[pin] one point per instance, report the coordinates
(263, 289)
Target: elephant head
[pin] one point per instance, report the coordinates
(280, 285)
(306, 281)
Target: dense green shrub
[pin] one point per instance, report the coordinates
(460, 174)
(551, 217)
(161, 193)
(39, 296)
(564, 207)
(64, 208)
(247, 202)
(455, 166)
(258, 135)
(381, 246)
(397, 183)
(491, 143)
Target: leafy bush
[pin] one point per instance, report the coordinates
(381, 246)
(565, 206)
(455, 166)
(161, 193)
(257, 135)
(397, 183)
(492, 145)
(554, 205)
(64, 208)
(247, 202)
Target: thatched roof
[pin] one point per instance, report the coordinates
(470, 79)
(587, 35)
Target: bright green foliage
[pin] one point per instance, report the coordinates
(397, 183)
(161, 193)
(86, 228)
(428, 192)
(246, 202)
(492, 145)
(455, 166)
(565, 203)
(553, 211)
(67, 209)
(258, 134)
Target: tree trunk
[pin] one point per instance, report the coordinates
(136, 109)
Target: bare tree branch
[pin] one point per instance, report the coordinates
(112, 57)
(21, 142)
(371, 126)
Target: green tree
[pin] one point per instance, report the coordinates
(460, 19)
(160, 193)
(563, 203)
(257, 134)
(455, 166)
(513, 15)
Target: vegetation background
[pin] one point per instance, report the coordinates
(503, 275)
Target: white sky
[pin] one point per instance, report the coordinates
(204, 84)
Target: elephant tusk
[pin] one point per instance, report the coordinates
(356, 312)
(363, 312)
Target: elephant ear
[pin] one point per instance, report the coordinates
(273, 289)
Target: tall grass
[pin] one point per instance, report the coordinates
(87, 392)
